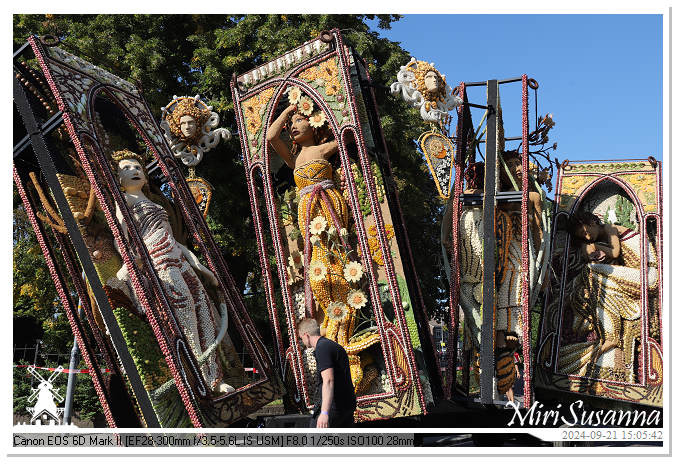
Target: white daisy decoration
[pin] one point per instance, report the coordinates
(305, 106)
(332, 231)
(357, 299)
(337, 311)
(315, 240)
(353, 271)
(317, 119)
(317, 271)
(300, 305)
(318, 225)
(295, 260)
(294, 94)
(343, 232)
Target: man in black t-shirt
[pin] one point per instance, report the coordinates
(335, 400)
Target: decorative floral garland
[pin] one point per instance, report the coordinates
(253, 110)
(363, 199)
(373, 242)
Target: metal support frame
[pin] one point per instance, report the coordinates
(48, 168)
(51, 124)
(488, 321)
(491, 198)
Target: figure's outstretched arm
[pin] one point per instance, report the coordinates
(273, 136)
(614, 240)
(123, 227)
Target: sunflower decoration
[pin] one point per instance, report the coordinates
(317, 119)
(305, 106)
(294, 94)
(353, 271)
(337, 311)
(317, 271)
(357, 299)
(318, 225)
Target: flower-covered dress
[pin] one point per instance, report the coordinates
(322, 202)
(191, 306)
(607, 303)
(509, 289)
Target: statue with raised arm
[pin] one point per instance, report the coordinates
(332, 272)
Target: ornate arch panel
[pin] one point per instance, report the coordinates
(153, 337)
(601, 330)
(394, 376)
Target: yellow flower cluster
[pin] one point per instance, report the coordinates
(328, 72)
(252, 109)
(645, 186)
(374, 243)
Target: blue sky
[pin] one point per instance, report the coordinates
(600, 75)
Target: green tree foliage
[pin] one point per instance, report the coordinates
(37, 314)
(197, 54)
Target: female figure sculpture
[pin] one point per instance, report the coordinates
(471, 250)
(323, 216)
(606, 299)
(422, 86)
(508, 321)
(177, 269)
(190, 127)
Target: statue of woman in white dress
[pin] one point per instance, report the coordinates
(177, 269)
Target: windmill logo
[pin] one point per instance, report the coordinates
(45, 410)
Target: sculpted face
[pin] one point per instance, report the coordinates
(187, 125)
(300, 129)
(588, 232)
(514, 166)
(131, 175)
(432, 81)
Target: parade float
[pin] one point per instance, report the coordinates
(334, 227)
(120, 229)
(123, 231)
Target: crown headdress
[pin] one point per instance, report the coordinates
(124, 154)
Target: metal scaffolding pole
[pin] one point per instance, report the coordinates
(488, 322)
(72, 366)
